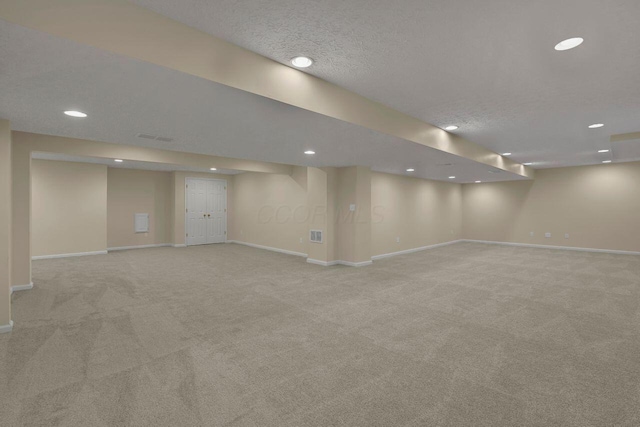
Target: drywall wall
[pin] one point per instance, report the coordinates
(132, 191)
(69, 208)
(271, 210)
(597, 206)
(5, 225)
(419, 212)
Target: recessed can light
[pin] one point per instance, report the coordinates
(603, 151)
(118, 160)
(528, 164)
(569, 43)
(450, 128)
(213, 169)
(452, 177)
(410, 170)
(596, 125)
(478, 182)
(606, 161)
(506, 154)
(76, 114)
(310, 152)
(302, 62)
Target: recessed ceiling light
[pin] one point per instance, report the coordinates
(603, 151)
(310, 152)
(213, 169)
(451, 177)
(77, 114)
(478, 182)
(528, 164)
(117, 160)
(596, 125)
(606, 161)
(410, 170)
(569, 43)
(506, 154)
(301, 62)
(452, 127)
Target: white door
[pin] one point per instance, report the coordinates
(206, 216)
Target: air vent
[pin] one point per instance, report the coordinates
(315, 236)
(157, 138)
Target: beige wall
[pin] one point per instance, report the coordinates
(271, 210)
(5, 223)
(418, 211)
(596, 205)
(69, 208)
(138, 191)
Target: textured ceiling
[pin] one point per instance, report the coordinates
(42, 76)
(129, 164)
(488, 66)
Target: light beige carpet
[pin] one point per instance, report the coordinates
(463, 335)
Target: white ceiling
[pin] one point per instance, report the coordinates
(488, 66)
(43, 75)
(128, 164)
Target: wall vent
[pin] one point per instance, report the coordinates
(315, 236)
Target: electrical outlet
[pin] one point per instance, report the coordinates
(547, 234)
(397, 239)
(531, 233)
(566, 235)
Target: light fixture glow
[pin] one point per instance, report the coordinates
(569, 43)
(118, 160)
(596, 125)
(302, 62)
(410, 170)
(452, 177)
(310, 152)
(478, 182)
(213, 169)
(603, 151)
(528, 164)
(606, 161)
(506, 154)
(76, 114)
(450, 128)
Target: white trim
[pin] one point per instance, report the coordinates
(322, 263)
(268, 248)
(409, 251)
(16, 288)
(6, 328)
(68, 255)
(355, 264)
(564, 248)
(186, 203)
(126, 248)
(180, 245)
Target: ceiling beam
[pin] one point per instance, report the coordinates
(127, 29)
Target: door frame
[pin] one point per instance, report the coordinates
(186, 203)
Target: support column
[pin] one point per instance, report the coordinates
(318, 253)
(5, 226)
(354, 215)
(21, 173)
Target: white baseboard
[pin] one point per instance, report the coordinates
(181, 245)
(563, 248)
(126, 248)
(68, 255)
(16, 288)
(338, 262)
(409, 251)
(268, 248)
(6, 328)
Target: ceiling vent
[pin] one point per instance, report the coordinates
(157, 138)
